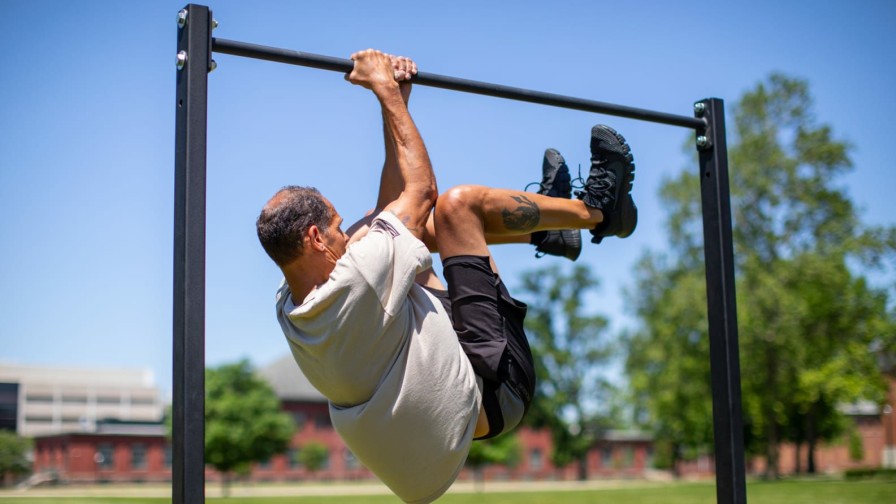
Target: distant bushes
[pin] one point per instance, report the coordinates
(869, 473)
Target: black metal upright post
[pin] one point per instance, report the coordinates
(721, 304)
(188, 428)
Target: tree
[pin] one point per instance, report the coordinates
(504, 450)
(811, 325)
(314, 456)
(13, 459)
(573, 398)
(243, 420)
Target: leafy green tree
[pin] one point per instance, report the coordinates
(574, 398)
(811, 324)
(243, 420)
(668, 361)
(504, 450)
(13, 455)
(314, 456)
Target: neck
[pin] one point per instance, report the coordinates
(304, 275)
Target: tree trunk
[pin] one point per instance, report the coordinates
(676, 458)
(811, 439)
(225, 484)
(771, 451)
(798, 445)
(583, 467)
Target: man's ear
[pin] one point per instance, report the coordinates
(315, 238)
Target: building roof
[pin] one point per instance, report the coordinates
(288, 381)
(111, 427)
(120, 377)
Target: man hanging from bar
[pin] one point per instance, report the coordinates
(414, 372)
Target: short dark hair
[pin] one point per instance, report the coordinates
(282, 226)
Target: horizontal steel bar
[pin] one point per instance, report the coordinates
(453, 83)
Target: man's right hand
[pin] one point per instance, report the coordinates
(373, 70)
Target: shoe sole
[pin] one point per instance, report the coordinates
(615, 144)
(609, 136)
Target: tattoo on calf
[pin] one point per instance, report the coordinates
(524, 217)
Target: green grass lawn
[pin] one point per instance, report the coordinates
(783, 492)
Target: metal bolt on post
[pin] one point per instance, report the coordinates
(699, 108)
(702, 142)
(181, 59)
(182, 18)
(212, 65)
(214, 23)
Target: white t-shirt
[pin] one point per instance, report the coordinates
(403, 395)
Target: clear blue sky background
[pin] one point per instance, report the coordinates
(87, 103)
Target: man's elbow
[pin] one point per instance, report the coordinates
(425, 193)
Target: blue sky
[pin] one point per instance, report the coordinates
(87, 138)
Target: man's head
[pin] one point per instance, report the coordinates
(299, 222)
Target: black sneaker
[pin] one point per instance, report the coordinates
(609, 184)
(563, 243)
(555, 180)
(555, 183)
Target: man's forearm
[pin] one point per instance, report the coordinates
(407, 166)
(390, 178)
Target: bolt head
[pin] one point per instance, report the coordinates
(699, 108)
(182, 18)
(212, 66)
(702, 141)
(214, 23)
(181, 59)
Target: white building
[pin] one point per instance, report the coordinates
(40, 400)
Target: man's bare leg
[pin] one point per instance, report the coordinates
(468, 218)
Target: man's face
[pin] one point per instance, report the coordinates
(334, 238)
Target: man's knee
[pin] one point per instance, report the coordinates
(459, 201)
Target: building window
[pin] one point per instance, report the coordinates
(628, 457)
(9, 406)
(38, 398)
(265, 464)
(74, 399)
(536, 459)
(143, 401)
(168, 456)
(108, 400)
(322, 421)
(103, 456)
(292, 456)
(299, 418)
(138, 456)
(606, 456)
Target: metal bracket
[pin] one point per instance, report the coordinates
(703, 137)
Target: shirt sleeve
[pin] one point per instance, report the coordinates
(389, 258)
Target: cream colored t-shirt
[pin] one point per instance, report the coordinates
(403, 395)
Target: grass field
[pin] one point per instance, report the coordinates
(783, 492)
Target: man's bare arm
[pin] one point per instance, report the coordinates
(391, 182)
(373, 70)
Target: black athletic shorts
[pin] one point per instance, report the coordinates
(489, 326)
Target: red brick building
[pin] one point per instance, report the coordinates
(131, 451)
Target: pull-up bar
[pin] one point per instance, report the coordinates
(194, 61)
(291, 57)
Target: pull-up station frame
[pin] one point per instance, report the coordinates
(195, 46)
